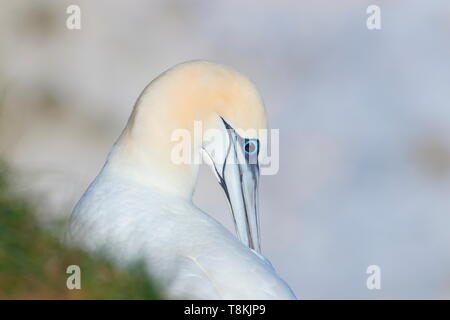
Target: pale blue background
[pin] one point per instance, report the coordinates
(364, 119)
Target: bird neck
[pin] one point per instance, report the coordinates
(146, 157)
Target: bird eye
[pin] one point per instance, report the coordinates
(250, 146)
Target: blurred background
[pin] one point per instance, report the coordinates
(364, 119)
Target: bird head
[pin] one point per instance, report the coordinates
(230, 112)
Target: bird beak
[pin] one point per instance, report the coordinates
(239, 177)
(241, 186)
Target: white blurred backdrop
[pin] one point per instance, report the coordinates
(364, 119)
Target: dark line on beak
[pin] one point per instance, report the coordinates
(249, 231)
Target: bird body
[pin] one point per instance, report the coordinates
(139, 209)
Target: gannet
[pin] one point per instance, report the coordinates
(140, 208)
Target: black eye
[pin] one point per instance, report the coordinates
(250, 146)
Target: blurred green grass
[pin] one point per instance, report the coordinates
(33, 261)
